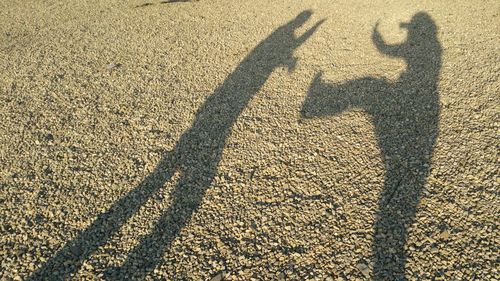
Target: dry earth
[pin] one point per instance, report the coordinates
(183, 140)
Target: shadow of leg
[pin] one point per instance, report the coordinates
(186, 198)
(397, 210)
(69, 259)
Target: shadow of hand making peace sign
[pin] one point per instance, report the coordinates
(196, 157)
(405, 116)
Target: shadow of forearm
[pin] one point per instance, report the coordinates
(324, 99)
(309, 33)
(384, 48)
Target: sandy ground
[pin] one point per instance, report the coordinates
(249, 140)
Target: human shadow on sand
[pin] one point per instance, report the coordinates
(195, 157)
(405, 114)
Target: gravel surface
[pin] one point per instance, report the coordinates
(249, 140)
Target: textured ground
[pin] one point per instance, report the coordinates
(117, 115)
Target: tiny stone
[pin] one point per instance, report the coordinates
(112, 66)
(218, 277)
(363, 268)
(444, 235)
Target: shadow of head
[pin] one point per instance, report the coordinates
(421, 24)
(422, 38)
(421, 43)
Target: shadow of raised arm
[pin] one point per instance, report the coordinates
(291, 62)
(302, 38)
(391, 50)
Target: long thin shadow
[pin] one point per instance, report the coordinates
(144, 5)
(196, 157)
(176, 1)
(406, 119)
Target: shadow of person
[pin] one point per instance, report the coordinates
(195, 157)
(405, 116)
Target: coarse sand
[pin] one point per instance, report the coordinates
(249, 140)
